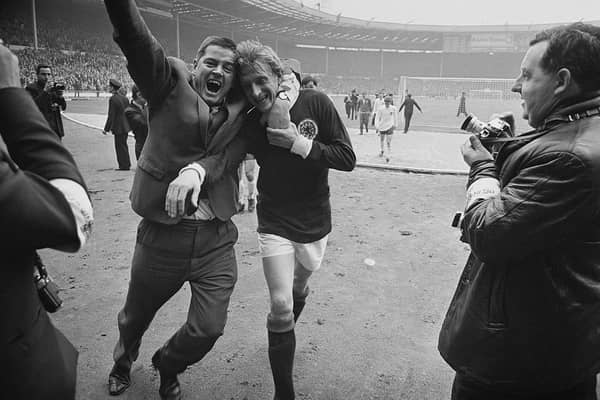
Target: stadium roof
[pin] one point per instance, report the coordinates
(289, 20)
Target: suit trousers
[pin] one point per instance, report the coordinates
(122, 151)
(364, 120)
(407, 118)
(165, 257)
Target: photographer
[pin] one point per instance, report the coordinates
(524, 322)
(43, 204)
(49, 98)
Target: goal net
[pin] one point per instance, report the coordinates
(479, 88)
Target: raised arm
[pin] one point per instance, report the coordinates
(146, 59)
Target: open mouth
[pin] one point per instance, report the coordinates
(213, 85)
(262, 99)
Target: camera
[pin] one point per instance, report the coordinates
(46, 288)
(490, 132)
(57, 87)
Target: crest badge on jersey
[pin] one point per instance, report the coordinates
(308, 128)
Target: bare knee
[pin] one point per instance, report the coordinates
(281, 304)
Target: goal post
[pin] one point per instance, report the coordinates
(479, 88)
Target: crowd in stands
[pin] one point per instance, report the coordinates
(83, 71)
(344, 85)
(75, 39)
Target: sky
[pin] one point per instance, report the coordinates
(463, 12)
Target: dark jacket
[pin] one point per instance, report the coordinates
(50, 105)
(409, 105)
(116, 121)
(294, 192)
(37, 361)
(178, 120)
(526, 313)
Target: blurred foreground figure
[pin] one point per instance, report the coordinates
(525, 320)
(43, 204)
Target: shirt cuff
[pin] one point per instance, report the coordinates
(301, 146)
(196, 167)
(80, 206)
(483, 188)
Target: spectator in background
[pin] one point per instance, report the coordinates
(137, 118)
(49, 98)
(354, 106)
(364, 112)
(309, 82)
(43, 204)
(116, 123)
(462, 105)
(348, 105)
(408, 104)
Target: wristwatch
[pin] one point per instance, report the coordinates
(283, 96)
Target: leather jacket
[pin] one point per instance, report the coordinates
(526, 312)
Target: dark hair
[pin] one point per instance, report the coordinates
(135, 92)
(40, 66)
(219, 41)
(252, 52)
(575, 47)
(309, 78)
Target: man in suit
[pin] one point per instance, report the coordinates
(408, 104)
(137, 118)
(43, 204)
(191, 115)
(117, 124)
(48, 98)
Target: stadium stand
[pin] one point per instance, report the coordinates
(74, 36)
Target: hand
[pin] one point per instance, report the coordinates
(473, 150)
(105, 132)
(283, 137)
(189, 180)
(9, 68)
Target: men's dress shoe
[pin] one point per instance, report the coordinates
(118, 382)
(169, 385)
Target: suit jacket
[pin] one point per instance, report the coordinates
(178, 120)
(37, 361)
(116, 121)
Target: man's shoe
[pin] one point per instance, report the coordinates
(169, 385)
(381, 153)
(118, 381)
(251, 205)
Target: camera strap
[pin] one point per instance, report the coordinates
(39, 265)
(526, 136)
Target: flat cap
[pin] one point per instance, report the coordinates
(114, 83)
